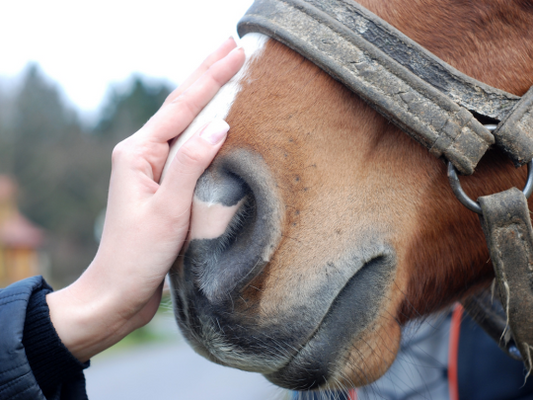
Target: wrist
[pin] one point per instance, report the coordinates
(82, 321)
(50, 361)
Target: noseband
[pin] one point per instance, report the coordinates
(444, 110)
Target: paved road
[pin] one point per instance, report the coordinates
(172, 371)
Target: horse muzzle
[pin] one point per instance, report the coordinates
(220, 295)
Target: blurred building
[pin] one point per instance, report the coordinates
(20, 240)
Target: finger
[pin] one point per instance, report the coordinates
(218, 54)
(190, 162)
(174, 117)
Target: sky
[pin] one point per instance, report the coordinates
(87, 45)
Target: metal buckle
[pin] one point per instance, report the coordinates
(473, 205)
(467, 201)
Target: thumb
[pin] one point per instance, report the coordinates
(191, 160)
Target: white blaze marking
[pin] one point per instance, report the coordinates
(218, 108)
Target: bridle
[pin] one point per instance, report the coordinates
(441, 108)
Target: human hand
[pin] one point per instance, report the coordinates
(146, 221)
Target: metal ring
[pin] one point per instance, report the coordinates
(474, 205)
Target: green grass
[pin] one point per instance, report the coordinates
(140, 336)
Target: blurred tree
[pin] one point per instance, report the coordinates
(44, 147)
(63, 167)
(125, 112)
(40, 124)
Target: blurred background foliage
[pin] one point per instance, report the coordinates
(62, 165)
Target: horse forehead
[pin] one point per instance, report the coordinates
(219, 107)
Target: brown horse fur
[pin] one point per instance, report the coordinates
(489, 41)
(342, 171)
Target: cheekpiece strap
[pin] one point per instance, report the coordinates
(515, 133)
(507, 227)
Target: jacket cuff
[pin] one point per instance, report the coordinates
(50, 361)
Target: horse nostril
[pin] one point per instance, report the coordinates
(221, 202)
(235, 226)
(220, 186)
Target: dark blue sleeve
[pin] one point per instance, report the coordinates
(34, 364)
(485, 372)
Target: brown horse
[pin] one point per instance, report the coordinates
(321, 229)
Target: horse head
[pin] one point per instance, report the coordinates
(320, 229)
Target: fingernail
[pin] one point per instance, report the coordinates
(215, 131)
(238, 48)
(230, 39)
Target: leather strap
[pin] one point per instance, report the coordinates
(421, 94)
(515, 133)
(507, 227)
